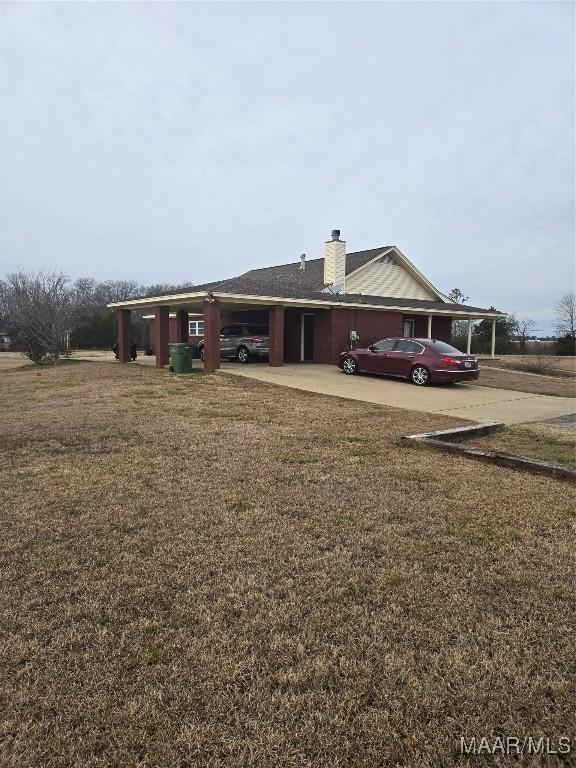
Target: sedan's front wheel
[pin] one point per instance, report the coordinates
(420, 376)
(349, 366)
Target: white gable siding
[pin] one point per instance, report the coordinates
(393, 280)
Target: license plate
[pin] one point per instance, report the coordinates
(467, 365)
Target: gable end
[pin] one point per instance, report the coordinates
(390, 274)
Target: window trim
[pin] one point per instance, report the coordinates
(195, 323)
(412, 327)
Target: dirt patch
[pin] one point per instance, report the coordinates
(293, 588)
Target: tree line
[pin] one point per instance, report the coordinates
(512, 333)
(45, 314)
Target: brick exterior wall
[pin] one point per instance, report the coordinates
(276, 331)
(181, 326)
(371, 325)
(124, 334)
(161, 340)
(173, 337)
(331, 329)
(212, 325)
(441, 327)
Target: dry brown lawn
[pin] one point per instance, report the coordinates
(10, 360)
(523, 382)
(546, 441)
(209, 571)
(560, 363)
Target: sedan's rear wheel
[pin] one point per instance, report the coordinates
(420, 376)
(349, 366)
(243, 355)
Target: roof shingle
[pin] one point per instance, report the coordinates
(291, 282)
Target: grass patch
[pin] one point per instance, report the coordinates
(297, 458)
(544, 366)
(503, 376)
(547, 442)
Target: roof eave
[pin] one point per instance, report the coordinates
(244, 298)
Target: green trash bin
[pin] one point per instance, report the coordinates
(181, 357)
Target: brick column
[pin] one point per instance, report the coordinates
(182, 326)
(124, 334)
(341, 320)
(211, 312)
(276, 331)
(162, 327)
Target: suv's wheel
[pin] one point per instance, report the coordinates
(242, 355)
(420, 376)
(349, 366)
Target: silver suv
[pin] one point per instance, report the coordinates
(242, 342)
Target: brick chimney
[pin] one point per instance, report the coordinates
(335, 261)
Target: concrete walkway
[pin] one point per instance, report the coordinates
(464, 401)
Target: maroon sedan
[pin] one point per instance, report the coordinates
(421, 360)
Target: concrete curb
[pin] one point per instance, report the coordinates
(444, 441)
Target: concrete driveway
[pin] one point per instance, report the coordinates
(464, 401)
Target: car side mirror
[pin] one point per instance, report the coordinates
(372, 348)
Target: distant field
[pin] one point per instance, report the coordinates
(560, 363)
(504, 378)
(207, 571)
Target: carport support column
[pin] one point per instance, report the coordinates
(469, 342)
(493, 341)
(276, 331)
(429, 326)
(162, 324)
(124, 335)
(182, 326)
(211, 312)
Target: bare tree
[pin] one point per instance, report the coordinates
(459, 327)
(566, 316)
(457, 297)
(566, 325)
(38, 311)
(524, 327)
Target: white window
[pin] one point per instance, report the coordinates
(196, 328)
(408, 328)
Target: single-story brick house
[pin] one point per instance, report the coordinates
(313, 308)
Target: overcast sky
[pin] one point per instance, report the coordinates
(172, 142)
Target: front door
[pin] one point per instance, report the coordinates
(307, 338)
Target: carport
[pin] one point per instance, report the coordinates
(283, 323)
(314, 329)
